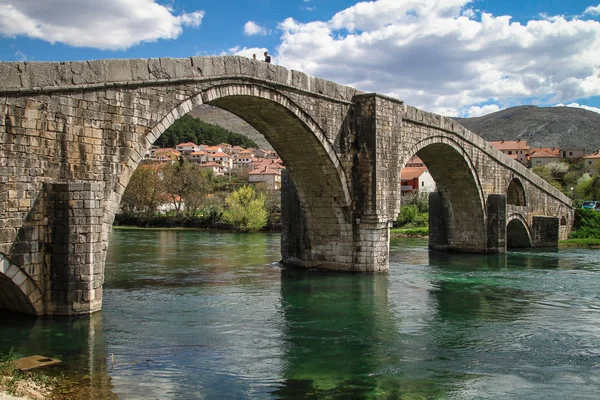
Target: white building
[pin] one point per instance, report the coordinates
(416, 178)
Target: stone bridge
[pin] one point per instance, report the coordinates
(73, 133)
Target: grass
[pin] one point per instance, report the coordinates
(410, 232)
(590, 243)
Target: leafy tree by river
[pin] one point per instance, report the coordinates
(190, 129)
(199, 199)
(246, 210)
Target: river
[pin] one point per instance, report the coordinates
(200, 315)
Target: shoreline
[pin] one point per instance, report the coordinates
(569, 243)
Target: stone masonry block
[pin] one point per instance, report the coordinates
(119, 70)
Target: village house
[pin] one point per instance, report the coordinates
(217, 169)
(187, 148)
(236, 150)
(213, 149)
(222, 159)
(591, 163)
(416, 179)
(515, 149)
(270, 177)
(199, 157)
(572, 153)
(166, 154)
(541, 156)
(243, 160)
(226, 147)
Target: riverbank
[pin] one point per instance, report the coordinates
(17, 385)
(180, 222)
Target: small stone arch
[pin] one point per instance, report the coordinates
(18, 292)
(515, 193)
(458, 184)
(518, 233)
(563, 220)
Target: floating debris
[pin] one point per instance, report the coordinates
(33, 362)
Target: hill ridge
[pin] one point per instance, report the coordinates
(539, 126)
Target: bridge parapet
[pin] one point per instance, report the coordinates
(43, 77)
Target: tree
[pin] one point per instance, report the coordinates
(186, 185)
(245, 210)
(591, 188)
(143, 193)
(190, 129)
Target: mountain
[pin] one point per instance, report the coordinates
(229, 121)
(540, 127)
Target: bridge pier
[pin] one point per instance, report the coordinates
(74, 256)
(366, 250)
(439, 225)
(545, 232)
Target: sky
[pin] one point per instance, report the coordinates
(463, 58)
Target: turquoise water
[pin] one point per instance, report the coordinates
(197, 315)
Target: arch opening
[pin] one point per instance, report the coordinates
(515, 194)
(12, 297)
(457, 218)
(517, 235)
(298, 140)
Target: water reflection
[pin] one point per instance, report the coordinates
(78, 342)
(344, 342)
(192, 315)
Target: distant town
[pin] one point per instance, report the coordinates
(262, 166)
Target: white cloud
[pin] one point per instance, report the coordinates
(476, 111)
(248, 52)
(593, 10)
(251, 28)
(576, 105)
(446, 56)
(106, 24)
(20, 56)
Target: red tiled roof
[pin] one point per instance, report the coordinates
(544, 154)
(412, 172)
(264, 171)
(219, 154)
(551, 150)
(593, 155)
(510, 145)
(198, 153)
(211, 164)
(187, 144)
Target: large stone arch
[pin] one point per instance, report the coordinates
(518, 232)
(18, 292)
(308, 155)
(462, 208)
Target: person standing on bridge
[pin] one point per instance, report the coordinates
(267, 57)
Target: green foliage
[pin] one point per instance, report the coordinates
(186, 184)
(410, 232)
(586, 225)
(590, 189)
(190, 129)
(418, 199)
(411, 217)
(245, 210)
(143, 193)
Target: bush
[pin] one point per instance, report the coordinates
(245, 210)
(410, 216)
(586, 225)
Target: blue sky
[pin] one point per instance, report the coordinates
(454, 57)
